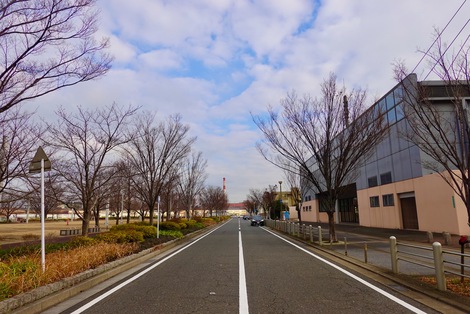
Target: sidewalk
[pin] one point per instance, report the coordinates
(420, 237)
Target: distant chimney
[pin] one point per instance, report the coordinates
(346, 110)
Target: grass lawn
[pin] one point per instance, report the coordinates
(22, 232)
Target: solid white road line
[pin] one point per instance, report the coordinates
(243, 295)
(128, 281)
(377, 289)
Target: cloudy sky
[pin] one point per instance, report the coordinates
(217, 61)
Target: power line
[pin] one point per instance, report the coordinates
(438, 36)
(448, 47)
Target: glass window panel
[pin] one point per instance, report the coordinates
(399, 112)
(391, 116)
(382, 106)
(390, 101)
(398, 92)
(374, 201)
(373, 181)
(387, 200)
(386, 178)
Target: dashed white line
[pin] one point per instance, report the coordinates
(243, 295)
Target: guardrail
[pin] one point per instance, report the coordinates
(438, 261)
(441, 261)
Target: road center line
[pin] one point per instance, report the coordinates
(368, 284)
(243, 295)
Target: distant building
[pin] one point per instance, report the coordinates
(237, 209)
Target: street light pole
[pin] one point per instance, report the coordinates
(280, 198)
(39, 164)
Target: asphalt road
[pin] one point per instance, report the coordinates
(239, 269)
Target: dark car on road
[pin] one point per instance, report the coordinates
(257, 220)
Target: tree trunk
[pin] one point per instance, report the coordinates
(299, 213)
(152, 211)
(85, 222)
(331, 225)
(97, 219)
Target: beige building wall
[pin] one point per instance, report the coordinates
(439, 209)
(313, 215)
(435, 201)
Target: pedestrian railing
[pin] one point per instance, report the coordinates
(441, 261)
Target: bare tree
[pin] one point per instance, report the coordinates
(214, 199)
(18, 142)
(191, 181)
(54, 193)
(123, 179)
(294, 180)
(154, 152)
(47, 45)
(170, 198)
(9, 205)
(324, 140)
(83, 144)
(254, 201)
(438, 118)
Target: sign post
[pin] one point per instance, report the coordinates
(41, 163)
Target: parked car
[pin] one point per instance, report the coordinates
(246, 217)
(257, 220)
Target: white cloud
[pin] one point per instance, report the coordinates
(217, 61)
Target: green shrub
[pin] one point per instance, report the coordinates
(142, 223)
(172, 233)
(21, 266)
(169, 225)
(205, 221)
(82, 241)
(147, 230)
(183, 225)
(133, 236)
(191, 223)
(109, 237)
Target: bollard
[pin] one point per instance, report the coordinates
(311, 233)
(462, 241)
(345, 246)
(304, 230)
(320, 240)
(430, 237)
(439, 266)
(394, 254)
(447, 238)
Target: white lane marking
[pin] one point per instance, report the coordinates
(243, 295)
(128, 281)
(368, 284)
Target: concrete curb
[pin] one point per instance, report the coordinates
(42, 298)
